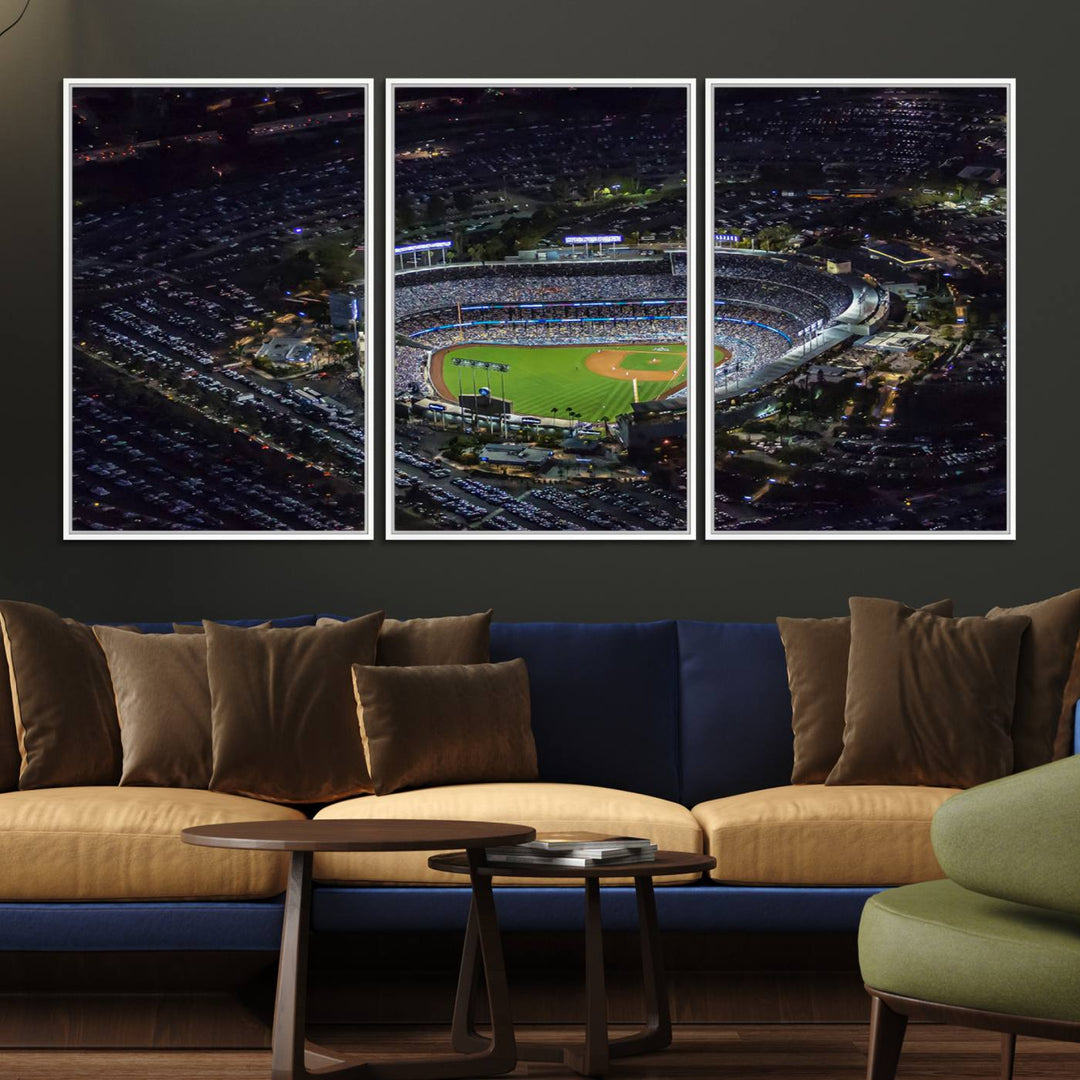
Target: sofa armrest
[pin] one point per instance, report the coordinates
(1076, 729)
(1017, 838)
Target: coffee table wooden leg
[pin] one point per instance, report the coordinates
(483, 946)
(292, 1058)
(501, 1054)
(287, 1056)
(463, 1034)
(657, 1031)
(592, 1058)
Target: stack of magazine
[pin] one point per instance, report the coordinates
(575, 849)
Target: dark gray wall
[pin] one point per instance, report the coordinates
(743, 579)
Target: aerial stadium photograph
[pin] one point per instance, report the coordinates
(216, 374)
(542, 360)
(861, 295)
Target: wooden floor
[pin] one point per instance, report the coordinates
(724, 1052)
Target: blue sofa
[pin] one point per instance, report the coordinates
(681, 711)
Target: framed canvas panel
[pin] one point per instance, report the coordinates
(861, 285)
(539, 282)
(217, 339)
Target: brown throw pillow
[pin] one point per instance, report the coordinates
(817, 661)
(282, 710)
(163, 703)
(9, 739)
(454, 639)
(447, 724)
(197, 628)
(62, 697)
(1046, 657)
(929, 700)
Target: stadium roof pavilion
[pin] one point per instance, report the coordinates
(897, 252)
(513, 454)
(282, 350)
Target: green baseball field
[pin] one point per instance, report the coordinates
(545, 380)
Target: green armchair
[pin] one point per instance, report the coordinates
(997, 944)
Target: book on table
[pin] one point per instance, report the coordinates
(575, 849)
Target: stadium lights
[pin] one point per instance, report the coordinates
(434, 245)
(614, 238)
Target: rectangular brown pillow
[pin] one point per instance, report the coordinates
(929, 700)
(451, 639)
(282, 710)
(9, 739)
(1046, 656)
(197, 628)
(445, 724)
(816, 651)
(65, 716)
(163, 702)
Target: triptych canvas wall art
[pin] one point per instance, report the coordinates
(554, 330)
(542, 379)
(861, 292)
(219, 339)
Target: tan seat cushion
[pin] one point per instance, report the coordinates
(810, 834)
(546, 807)
(123, 843)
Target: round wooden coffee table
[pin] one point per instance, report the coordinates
(291, 1057)
(591, 1058)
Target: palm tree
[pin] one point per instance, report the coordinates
(554, 412)
(606, 420)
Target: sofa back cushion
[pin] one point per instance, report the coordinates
(604, 701)
(736, 709)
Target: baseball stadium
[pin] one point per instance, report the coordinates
(564, 343)
(535, 342)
